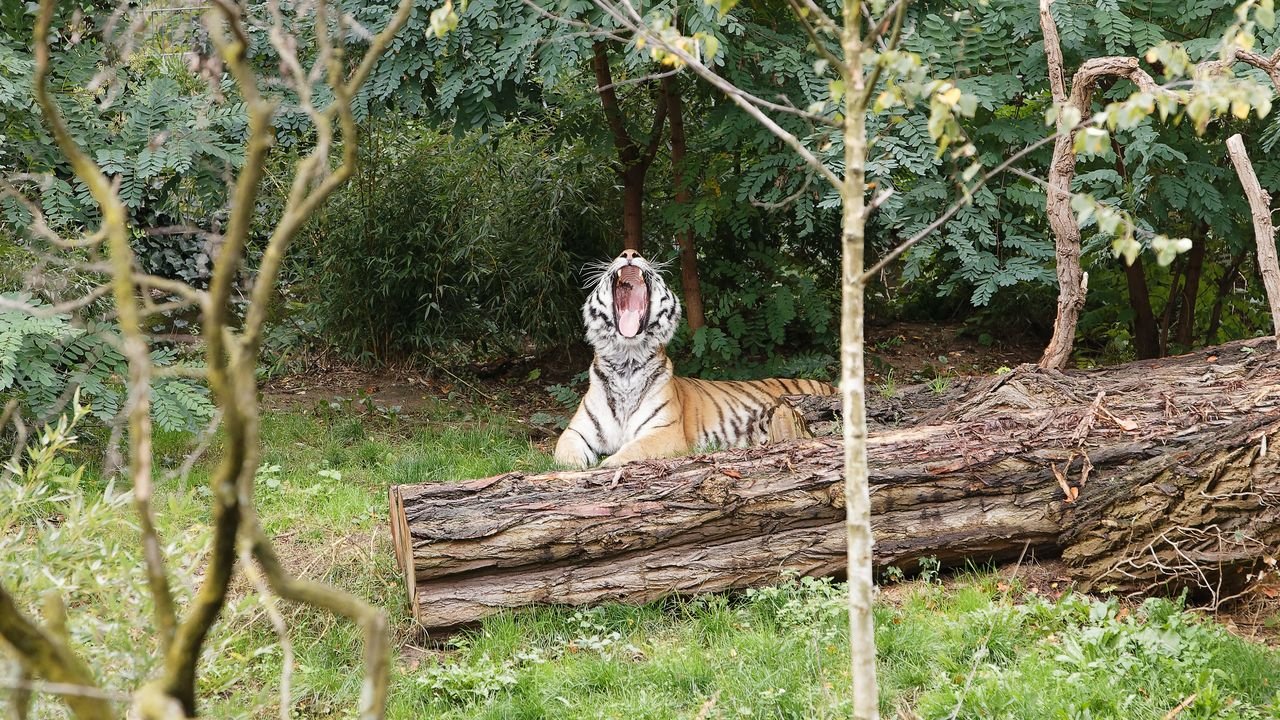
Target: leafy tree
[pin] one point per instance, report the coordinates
(163, 133)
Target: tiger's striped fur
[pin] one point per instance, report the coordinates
(635, 406)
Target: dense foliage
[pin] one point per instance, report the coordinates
(465, 244)
(162, 132)
(992, 261)
(529, 168)
(45, 362)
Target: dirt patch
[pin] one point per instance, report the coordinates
(387, 389)
(920, 352)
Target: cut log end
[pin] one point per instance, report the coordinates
(401, 542)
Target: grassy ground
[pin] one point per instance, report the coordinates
(982, 645)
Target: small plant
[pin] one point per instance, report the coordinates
(815, 605)
(268, 477)
(888, 388)
(889, 343)
(568, 394)
(930, 569)
(940, 384)
(466, 682)
(548, 420)
(892, 574)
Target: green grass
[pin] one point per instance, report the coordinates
(976, 648)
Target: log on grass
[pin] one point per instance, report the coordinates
(1152, 476)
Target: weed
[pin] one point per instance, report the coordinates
(889, 386)
(940, 384)
(930, 569)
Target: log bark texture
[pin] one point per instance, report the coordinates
(1150, 476)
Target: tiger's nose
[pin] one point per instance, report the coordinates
(630, 254)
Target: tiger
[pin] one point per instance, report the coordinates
(636, 408)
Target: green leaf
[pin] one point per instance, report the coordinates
(724, 7)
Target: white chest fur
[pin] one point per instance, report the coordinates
(625, 395)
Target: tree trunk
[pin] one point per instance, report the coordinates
(1146, 337)
(1191, 288)
(633, 159)
(1146, 341)
(1175, 292)
(859, 539)
(689, 283)
(1066, 230)
(633, 207)
(1225, 284)
(1264, 232)
(1148, 476)
(1072, 280)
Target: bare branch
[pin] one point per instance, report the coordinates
(371, 620)
(300, 207)
(824, 20)
(11, 414)
(1053, 51)
(1264, 232)
(895, 36)
(202, 445)
(114, 222)
(800, 10)
(178, 681)
(65, 689)
(588, 30)
(891, 18)
(41, 228)
(231, 363)
(875, 202)
(61, 308)
(281, 629)
(638, 80)
(1271, 65)
(51, 659)
(191, 295)
(766, 205)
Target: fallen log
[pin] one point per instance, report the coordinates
(1152, 476)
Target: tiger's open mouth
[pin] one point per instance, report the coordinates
(630, 301)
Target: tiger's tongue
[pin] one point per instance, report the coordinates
(630, 300)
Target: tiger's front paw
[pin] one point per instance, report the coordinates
(573, 452)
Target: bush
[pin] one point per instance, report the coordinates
(768, 313)
(155, 128)
(461, 244)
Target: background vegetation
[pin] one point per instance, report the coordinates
(489, 159)
(490, 175)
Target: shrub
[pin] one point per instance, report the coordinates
(768, 313)
(455, 243)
